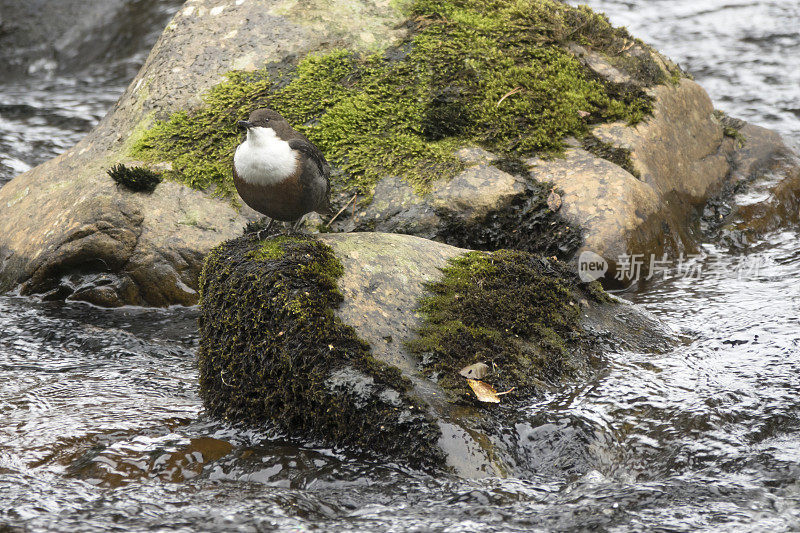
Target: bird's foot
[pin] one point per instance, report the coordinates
(294, 227)
(254, 228)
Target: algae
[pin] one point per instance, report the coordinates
(495, 74)
(615, 154)
(517, 312)
(137, 179)
(526, 223)
(273, 351)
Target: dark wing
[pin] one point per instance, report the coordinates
(306, 148)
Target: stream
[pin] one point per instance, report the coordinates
(101, 427)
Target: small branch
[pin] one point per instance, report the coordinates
(328, 225)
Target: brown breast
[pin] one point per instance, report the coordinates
(282, 201)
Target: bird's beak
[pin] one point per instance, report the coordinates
(244, 124)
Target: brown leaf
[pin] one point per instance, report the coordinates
(483, 391)
(476, 371)
(554, 201)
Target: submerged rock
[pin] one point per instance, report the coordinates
(324, 338)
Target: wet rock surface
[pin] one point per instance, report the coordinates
(482, 208)
(353, 380)
(674, 163)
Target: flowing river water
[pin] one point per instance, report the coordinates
(101, 427)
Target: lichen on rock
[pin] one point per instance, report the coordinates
(494, 74)
(272, 350)
(517, 312)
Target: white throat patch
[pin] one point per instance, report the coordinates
(264, 158)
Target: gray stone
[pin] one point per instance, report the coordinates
(66, 218)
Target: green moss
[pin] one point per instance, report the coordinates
(272, 350)
(597, 293)
(733, 133)
(200, 144)
(273, 248)
(517, 312)
(137, 179)
(403, 112)
(731, 127)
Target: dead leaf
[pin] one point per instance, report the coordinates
(583, 114)
(554, 201)
(483, 391)
(476, 371)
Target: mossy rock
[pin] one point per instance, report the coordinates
(501, 76)
(494, 74)
(338, 72)
(272, 349)
(516, 312)
(323, 337)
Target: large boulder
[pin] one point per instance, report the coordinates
(334, 339)
(440, 135)
(67, 230)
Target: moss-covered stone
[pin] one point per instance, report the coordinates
(273, 350)
(517, 312)
(495, 74)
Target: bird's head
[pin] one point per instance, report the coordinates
(265, 122)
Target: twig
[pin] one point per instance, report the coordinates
(328, 225)
(509, 93)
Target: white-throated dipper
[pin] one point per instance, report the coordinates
(278, 172)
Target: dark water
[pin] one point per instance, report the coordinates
(101, 428)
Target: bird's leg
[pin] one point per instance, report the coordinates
(265, 230)
(297, 224)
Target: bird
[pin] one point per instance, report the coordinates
(278, 172)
